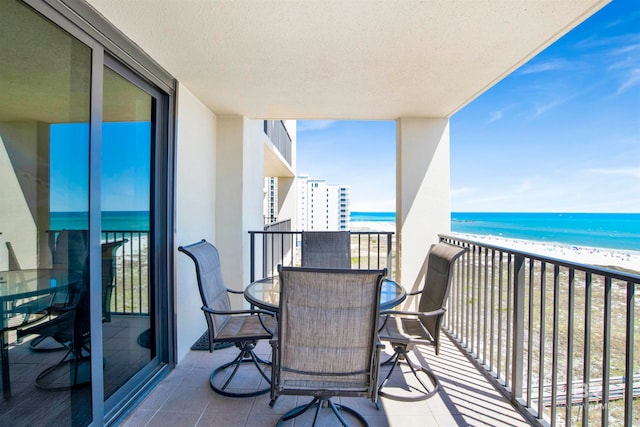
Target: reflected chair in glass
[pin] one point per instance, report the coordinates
(327, 340)
(71, 328)
(69, 251)
(69, 325)
(326, 249)
(242, 327)
(406, 329)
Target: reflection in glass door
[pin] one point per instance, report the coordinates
(128, 293)
(44, 205)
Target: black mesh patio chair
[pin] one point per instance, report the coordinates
(59, 304)
(326, 249)
(242, 327)
(69, 325)
(70, 328)
(109, 251)
(405, 329)
(327, 341)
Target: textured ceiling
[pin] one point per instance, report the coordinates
(342, 59)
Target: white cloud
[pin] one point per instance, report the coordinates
(543, 67)
(307, 125)
(631, 79)
(495, 116)
(541, 109)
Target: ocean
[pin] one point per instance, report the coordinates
(111, 220)
(601, 230)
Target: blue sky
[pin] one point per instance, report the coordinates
(126, 167)
(561, 134)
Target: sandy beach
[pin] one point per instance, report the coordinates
(629, 260)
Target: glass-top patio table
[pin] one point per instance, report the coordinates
(265, 294)
(25, 296)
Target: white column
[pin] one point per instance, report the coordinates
(195, 208)
(240, 180)
(422, 193)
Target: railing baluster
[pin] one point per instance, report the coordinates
(628, 365)
(529, 332)
(586, 361)
(556, 343)
(500, 289)
(493, 311)
(570, 324)
(485, 307)
(518, 328)
(541, 348)
(507, 362)
(606, 352)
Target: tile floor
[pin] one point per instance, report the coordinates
(185, 398)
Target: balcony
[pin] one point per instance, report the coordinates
(277, 133)
(543, 309)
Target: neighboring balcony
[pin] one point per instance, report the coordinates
(280, 138)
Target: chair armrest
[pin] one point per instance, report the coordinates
(233, 291)
(418, 292)
(232, 312)
(413, 313)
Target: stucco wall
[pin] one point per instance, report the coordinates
(195, 207)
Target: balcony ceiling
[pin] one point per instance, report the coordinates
(342, 59)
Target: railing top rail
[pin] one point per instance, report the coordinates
(614, 274)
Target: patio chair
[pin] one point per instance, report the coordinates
(326, 249)
(109, 251)
(59, 304)
(405, 329)
(327, 342)
(70, 323)
(241, 327)
(71, 329)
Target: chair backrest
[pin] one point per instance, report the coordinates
(71, 251)
(213, 291)
(109, 251)
(437, 283)
(327, 331)
(326, 249)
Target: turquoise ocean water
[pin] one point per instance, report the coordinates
(111, 220)
(600, 230)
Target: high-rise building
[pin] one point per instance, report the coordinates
(322, 206)
(270, 200)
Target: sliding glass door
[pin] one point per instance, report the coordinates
(83, 219)
(128, 140)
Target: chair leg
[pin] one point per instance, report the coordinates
(400, 353)
(246, 355)
(74, 362)
(319, 403)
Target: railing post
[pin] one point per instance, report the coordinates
(389, 266)
(252, 256)
(518, 329)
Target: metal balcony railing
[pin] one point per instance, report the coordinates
(269, 248)
(279, 136)
(131, 290)
(557, 337)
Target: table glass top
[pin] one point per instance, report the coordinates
(267, 292)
